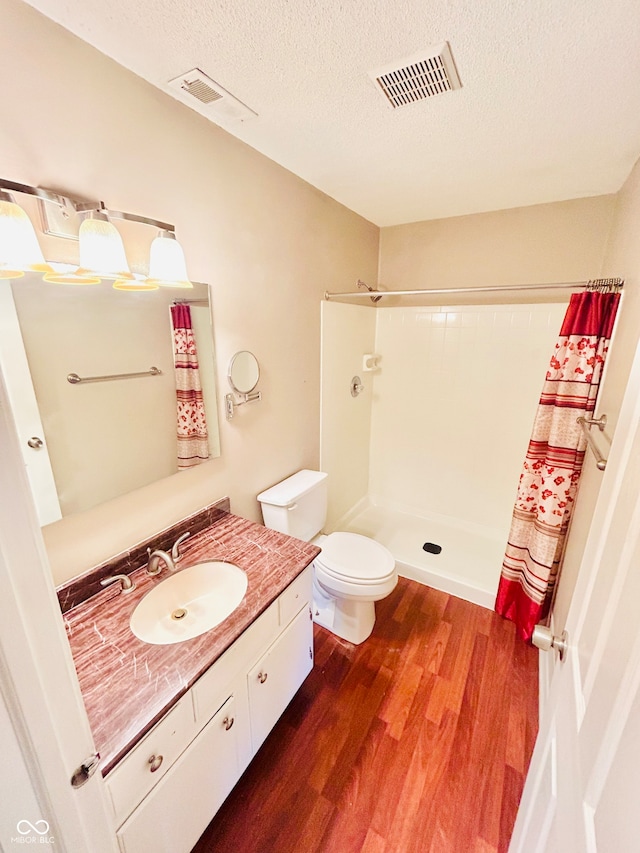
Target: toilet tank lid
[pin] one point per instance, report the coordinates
(294, 487)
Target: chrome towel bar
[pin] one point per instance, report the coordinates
(74, 379)
(586, 424)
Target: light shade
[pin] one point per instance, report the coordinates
(167, 266)
(20, 251)
(140, 284)
(101, 249)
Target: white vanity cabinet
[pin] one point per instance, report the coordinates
(174, 815)
(168, 788)
(276, 677)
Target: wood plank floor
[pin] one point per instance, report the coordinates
(416, 741)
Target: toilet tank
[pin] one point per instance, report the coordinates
(297, 505)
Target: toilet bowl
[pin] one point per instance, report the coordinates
(351, 573)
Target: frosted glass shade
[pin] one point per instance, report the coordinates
(20, 251)
(167, 266)
(102, 250)
(134, 284)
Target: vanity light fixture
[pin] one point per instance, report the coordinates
(101, 249)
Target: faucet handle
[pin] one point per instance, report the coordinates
(155, 568)
(127, 584)
(175, 551)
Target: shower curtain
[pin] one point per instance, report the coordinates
(193, 445)
(549, 480)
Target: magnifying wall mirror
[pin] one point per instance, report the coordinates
(243, 375)
(244, 372)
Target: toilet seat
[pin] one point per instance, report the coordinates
(355, 559)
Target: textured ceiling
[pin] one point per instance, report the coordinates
(549, 108)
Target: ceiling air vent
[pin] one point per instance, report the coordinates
(207, 97)
(428, 73)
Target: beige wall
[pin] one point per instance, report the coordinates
(266, 242)
(564, 241)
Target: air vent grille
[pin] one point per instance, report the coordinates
(207, 97)
(419, 77)
(201, 90)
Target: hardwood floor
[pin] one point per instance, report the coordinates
(416, 741)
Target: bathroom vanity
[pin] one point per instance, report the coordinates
(176, 725)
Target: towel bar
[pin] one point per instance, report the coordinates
(74, 379)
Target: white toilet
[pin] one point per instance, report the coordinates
(351, 572)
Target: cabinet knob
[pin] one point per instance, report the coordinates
(262, 677)
(154, 762)
(35, 443)
(228, 722)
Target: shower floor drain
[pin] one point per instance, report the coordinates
(432, 548)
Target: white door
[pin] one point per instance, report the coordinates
(582, 793)
(24, 408)
(46, 734)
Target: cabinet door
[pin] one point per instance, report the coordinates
(276, 677)
(177, 811)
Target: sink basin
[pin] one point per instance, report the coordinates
(188, 603)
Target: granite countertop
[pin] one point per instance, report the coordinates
(127, 684)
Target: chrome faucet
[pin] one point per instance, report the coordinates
(154, 567)
(127, 584)
(170, 560)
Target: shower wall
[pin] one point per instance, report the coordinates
(347, 332)
(432, 448)
(453, 406)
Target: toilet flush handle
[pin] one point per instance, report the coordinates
(292, 506)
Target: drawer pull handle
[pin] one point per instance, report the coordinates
(154, 762)
(262, 677)
(228, 722)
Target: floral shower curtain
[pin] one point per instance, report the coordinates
(549, 480)
(193, 445)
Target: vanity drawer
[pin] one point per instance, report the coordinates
(135, 775)
(295, 596)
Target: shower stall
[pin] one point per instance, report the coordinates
(426, 457)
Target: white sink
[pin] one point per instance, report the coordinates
(188, 603)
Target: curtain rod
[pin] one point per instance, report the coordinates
(375, 295)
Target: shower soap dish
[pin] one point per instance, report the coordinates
(371, 361)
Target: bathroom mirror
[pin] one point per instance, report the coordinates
(108, 437)
(244, 372)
